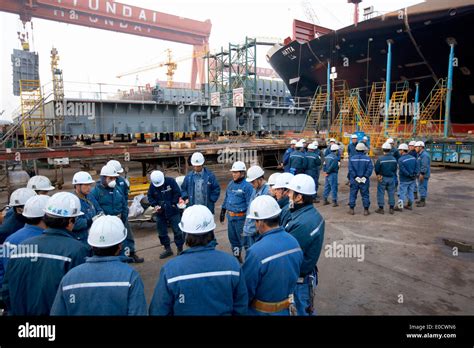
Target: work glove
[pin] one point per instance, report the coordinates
(222, 216)
(363, 180)
(358, 180)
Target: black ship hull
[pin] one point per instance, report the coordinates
(420, 53)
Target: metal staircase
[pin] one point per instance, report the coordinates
(397, 114)
(376, 100)
(428, 122)
(317, 109)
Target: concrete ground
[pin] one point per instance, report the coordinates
(405, 269)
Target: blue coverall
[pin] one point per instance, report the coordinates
(424, 163)
(32, 279)
(408, 169)
(307, 226)
(271, 269)
(331, 167)
(167, 196)
(313, 166)
(200, 281)
(100, 286)
(250, 231)
(129, 243)
(90, 207)
(298, 162)
(236, 201)
(286, 159)
(285, 215)
(211, 188)
(386, 166)
(360, 166)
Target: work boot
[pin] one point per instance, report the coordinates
(167, 253)
(366, 212)
(326, 202)
(391, 211)
(351, 211)
(334, 204)
(421, 203)
(381, 211)
(134, 258)
(416, 195)
(397, 208)
(409, 206)
(180, 250)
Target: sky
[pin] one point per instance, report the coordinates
(92, 56)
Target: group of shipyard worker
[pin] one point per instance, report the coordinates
(69, 253)
(404, 170)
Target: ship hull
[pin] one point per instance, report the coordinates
(420, 54)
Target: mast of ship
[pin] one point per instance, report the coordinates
(356, 10)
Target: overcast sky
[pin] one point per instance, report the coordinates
(92, 55)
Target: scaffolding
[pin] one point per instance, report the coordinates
(317, 109)
(32, 114)
(234, 68)
(58, 93)
(430, 122)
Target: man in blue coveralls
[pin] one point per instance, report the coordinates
(272, 265)
(408, 171)
(298, 159)
(307, 226)
(360, 170)
(103, 285)
(331, 171)
(424, 163)
(386, 171)
(200, 185)
(313, 165)
(286, 156)
(163, 194)
(202, 280)
(235, 205)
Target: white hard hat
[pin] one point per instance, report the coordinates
(283, 180)
(263, 207)
(403, 147)
(316, 143)
(254, 172)
(272, 179)
(108, 171)
(420, 143)
(197, 159)
(360, 147)
(293, 142)
(106, 231)
(63, 204)
(20, 196)
(82, 178)
(412, 143)
(332, 140)
(197, 219)
(116, 164)
(299, 144)
(34, 207)
(354, 136)
(302, 183)
(312, 146)
(365, 138)
(334, 147)
(180, 180)
(40, 183)
(238, 166)
(390, 141)
(157, 178)
(302, 141)
(386, 146)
